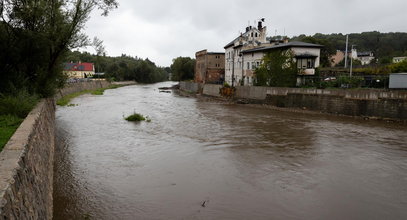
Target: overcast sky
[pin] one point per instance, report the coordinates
(165, 29)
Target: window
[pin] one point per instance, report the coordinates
(248, 65)
(305, 63)
(256, 35)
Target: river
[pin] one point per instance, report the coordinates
(200, 159)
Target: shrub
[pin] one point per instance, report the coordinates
(135, 117)
(19, 104)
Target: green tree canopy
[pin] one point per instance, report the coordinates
(34, 37)
(278, 69)
(182, 68)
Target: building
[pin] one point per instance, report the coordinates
(365, 57)
(306, 55)
(252, 38)
(337, 58)
(79, 70)
(399, 59)
(246, 52)
(209, 67)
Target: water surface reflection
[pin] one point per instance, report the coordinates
(241, 162)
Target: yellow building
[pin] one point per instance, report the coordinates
(79, 70)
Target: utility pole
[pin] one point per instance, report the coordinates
(346, 51)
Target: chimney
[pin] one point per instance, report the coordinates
(259, 25)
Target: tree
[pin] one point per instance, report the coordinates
(327, 51)
(277, 69)
(36, 35)
(182, 68)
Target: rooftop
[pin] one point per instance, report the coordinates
(283, 45)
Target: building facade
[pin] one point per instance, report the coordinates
(306, 56)
(399, 59)
(79, 70)
(252, 38)
(209, 67)
(245, 53)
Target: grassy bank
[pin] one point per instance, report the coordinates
(65, 100)
(8, 125)
(13, 109)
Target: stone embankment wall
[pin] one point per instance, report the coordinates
(389, 104)
(80, 86)
(26, 162)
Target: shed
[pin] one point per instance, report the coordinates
(398, 81)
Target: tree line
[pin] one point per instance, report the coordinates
(123, 67)
(35, 36)
(385, 46)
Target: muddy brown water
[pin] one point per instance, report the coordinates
(209, 160)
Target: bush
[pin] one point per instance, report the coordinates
(350, 82)
(135, 117)
(18, 105)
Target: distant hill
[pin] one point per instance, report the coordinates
(383, 45)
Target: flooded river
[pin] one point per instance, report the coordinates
(209, 160)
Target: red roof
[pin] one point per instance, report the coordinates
(78, 67)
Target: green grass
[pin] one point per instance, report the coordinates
(8, 125)
(135, 117)
(64, 101)
(19, 104)
(100, 91)
(13, 109)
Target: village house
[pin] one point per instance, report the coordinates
(399, 59)
(209, 67)
(365, 57)
(306, 56)
(79, 70)
(245, 53)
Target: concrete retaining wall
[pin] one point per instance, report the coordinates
(354, 102)
(211, 90)
(26, 162)
(190, 87)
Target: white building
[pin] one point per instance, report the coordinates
(399, 59)
(246, 52)
(252, 38)
(365, 57)
(306, 55)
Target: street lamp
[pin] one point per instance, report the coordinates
(350, 72)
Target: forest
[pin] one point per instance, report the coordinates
(385, 46)
(124, 67)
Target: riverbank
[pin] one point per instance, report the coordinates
(367, 104)
(26, 183)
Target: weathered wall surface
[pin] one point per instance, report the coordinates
(190, 86)
(26, 162)
(211, 90)
(363, 102)
(354, 102)
(80, 86)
